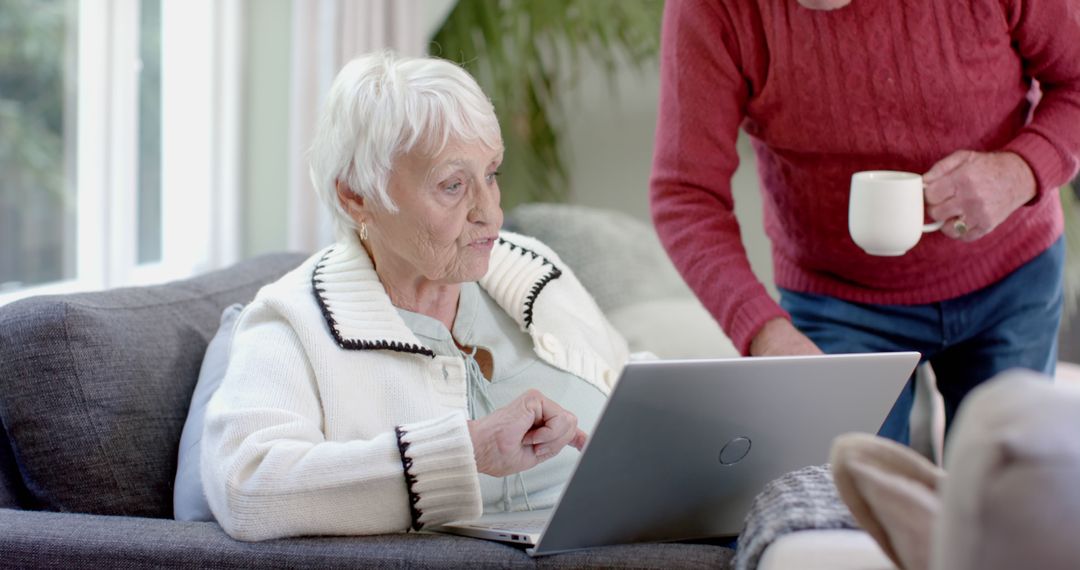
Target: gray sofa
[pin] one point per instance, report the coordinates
(94, 390)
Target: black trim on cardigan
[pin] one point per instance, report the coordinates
(555, 273)
(353, 344)
(410, 479)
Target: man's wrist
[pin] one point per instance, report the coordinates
(760, 343)
(1027, 187)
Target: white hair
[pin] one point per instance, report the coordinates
(382, 106)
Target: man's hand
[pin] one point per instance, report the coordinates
(522, 434)
(973, 192)
(780, 338)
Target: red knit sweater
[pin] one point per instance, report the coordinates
(879, 84)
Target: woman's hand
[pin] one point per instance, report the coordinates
(780, 338)
(979, 189)
(523, 433)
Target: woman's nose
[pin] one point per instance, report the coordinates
(485, 208)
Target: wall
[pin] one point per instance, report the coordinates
(265, 125)
(267, 47)
(609, 147)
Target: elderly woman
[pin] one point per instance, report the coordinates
(408, 374)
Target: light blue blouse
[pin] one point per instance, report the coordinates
(482, 323)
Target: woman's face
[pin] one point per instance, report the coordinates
(447, 220)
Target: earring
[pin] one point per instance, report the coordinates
(363, 231)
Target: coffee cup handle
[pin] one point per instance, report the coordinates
(932, 226)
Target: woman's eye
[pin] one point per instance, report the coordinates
(452, 188)
(492, 176)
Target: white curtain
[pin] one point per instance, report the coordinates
(325, 35)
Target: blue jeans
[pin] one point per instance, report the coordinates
(1010, 324)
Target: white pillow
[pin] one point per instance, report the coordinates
(189, 500)
(673, 327)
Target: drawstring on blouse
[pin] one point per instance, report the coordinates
(478, 386)
(478, 390)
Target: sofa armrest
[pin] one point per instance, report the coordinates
(33, 539)
(833, 549)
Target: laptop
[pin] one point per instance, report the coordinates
(682, 447)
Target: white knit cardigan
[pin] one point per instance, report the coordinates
(333, 418)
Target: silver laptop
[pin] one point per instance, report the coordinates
(682, 447)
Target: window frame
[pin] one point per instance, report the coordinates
(201, 94)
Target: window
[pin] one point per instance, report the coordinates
(37, 142)
(117, 137)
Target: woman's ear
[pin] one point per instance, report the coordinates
(350, 201)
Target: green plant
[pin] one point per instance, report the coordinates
(525, 54)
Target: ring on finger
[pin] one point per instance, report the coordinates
(959, 226)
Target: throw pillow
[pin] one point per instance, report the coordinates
(189, 500)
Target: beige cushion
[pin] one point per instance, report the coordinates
(830, 549)
(1012, 497)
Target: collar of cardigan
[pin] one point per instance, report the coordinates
(360, 316)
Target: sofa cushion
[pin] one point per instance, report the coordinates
(54, 540)
(189, 498)
(620, 261)
(12, 491)
(672, 327)
(826, 549)
(94, 387)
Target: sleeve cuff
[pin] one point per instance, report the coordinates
(749, 318)
(1045, 161)
(440, 471)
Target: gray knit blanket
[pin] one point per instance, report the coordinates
(801, 500)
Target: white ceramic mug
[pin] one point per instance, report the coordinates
(885, 212)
